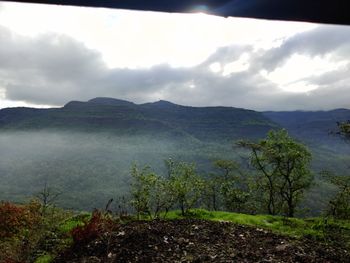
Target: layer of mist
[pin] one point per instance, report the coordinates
(87, 168)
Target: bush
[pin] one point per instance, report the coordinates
(16, 218)
(92, 229)
(26, 234)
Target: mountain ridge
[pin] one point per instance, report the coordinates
(77, 144)
(164, 117)
(203, 123)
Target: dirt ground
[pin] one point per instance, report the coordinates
(199, 241)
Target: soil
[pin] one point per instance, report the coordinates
(193, 240)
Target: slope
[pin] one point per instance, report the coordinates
(123, 117)
(85, 149)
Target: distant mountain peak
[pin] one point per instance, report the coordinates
(104, 101)
(110, 101)
(164, 102)
(161, 103)
(73, 103)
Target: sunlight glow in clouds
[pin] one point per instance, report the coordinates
(142, 39)
(215, 67)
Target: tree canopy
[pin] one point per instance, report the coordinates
(283, 170)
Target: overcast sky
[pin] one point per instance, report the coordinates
(50, 55)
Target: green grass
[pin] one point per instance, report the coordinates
(72, 222)
(315, 228)
(65, 228)
(331, 231)
(44, 259)
(296, 227)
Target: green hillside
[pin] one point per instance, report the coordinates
(85, 149)
(159, 118)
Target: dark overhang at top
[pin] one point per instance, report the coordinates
(319, 11)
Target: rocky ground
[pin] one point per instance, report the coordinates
(199, 241)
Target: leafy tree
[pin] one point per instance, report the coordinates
(142, 182)
(234, 197)
(151, 193)
(185, 184)
(162, 197)
(266, 182)
(344, 129)
(211, 194)
(283, 166)
(213, 184)
(339, 205)
(227, 167)
(231, 186)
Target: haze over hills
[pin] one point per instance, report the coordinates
(85, 149)
(310, 125)
(164, 117)
(159, 118)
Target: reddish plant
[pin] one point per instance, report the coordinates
(12, 219)
(15, 218)
(92, 229)
(9, 260)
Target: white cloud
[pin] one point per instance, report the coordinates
(215, 67)
(242, 64)
(141, 39)
(291, 76)
(56, 54)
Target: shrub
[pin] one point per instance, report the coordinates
(13, 219)
(92, 229)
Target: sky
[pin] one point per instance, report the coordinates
(50, 55)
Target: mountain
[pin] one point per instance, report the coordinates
(314, 127)
(86, 148)
(124, 117)
(164, 118)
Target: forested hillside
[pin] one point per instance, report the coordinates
(160, 118)
(84, 150)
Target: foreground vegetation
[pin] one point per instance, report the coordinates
(317, 228)
(276, 182)
(29, 235)
(265, 198)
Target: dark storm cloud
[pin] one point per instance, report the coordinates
(54, 69)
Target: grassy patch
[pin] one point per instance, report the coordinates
(316, 228)
(44, 259)
(72, 222)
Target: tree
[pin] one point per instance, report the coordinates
(185, 184)
(214, 183)
(231, 185)
(339, 205)
(227, 167)
(344, 129)
(283, 166)
(142, 182)
(151, 193)
(212, 192)
(47, 196)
